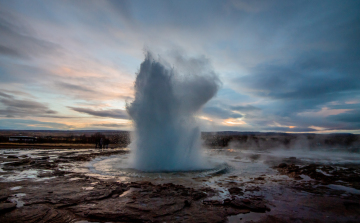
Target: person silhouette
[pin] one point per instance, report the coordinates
(101, 143)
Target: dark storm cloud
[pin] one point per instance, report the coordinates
(352, 116)
(11, 107)
(324, 69)
(345, 106)
(246, 108)
(296, 90)
(290, 82)
(110, 113)
(220, 113)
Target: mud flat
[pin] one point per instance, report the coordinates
(67, 185)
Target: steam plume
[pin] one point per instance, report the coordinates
(166, 134)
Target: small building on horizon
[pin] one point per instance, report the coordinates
(22, 138)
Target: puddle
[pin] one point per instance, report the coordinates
(252, 216)
(320, 171)
(344, 188)
(25, 175)
(16, 188)
(16, 198)
(87, 188)
(126, 192)
(305, 177)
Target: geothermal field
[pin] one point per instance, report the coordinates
(241, 183)
(171, 172)
(194, 111)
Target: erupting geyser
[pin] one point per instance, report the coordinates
(166, 135)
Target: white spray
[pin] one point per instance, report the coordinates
(166, 135)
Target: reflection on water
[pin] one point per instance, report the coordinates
(25, 175)
(228, 166)
(17, 198)
(344, 188)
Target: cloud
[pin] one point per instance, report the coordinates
(6, 95)
(29, 124)
(75, 87)
(10, 52)
(18, 40)
(287, 58)
(111, 125)
(220, 113)
(11, 107)
(110, 113)
(287, 129)
(352, 116)
(246, 108)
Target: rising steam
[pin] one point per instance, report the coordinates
(167, 137)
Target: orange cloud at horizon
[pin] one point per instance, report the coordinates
(324, 112)
(233, 121)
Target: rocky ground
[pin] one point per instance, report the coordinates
(299, 192)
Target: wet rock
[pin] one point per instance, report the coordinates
(237, 205)
(291, 170)
(255, 206)
(187, 203)
(324, 173)
(213, 202)
(115, 196)
(6, 207)
(227, 201)
(119, 190)
(251, 189)
(3, 197)
(254, 156)
(135, 185)
(236, 211)
(19, 163)
(352, 206)
(37, 213)
(59, 172)
(12, 157)
(198, 195)
(236, 190)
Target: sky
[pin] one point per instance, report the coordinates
(285, 66)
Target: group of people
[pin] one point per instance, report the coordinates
(102, 143)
